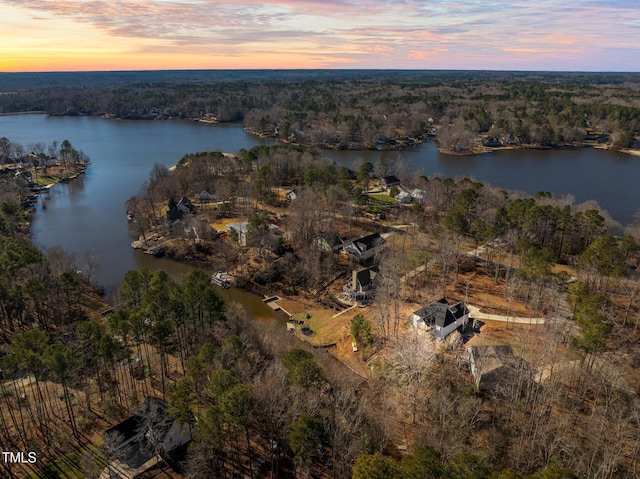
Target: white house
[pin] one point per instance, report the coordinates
(403, 197)
(205, 195)
(239, 230)
(442, 317)
(291, 195)
(417, 194)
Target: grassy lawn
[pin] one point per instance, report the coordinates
(221, 224)
(383, 198)
(326, 329)
(44, 181)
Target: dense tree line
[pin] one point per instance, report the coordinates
(375, 109)
(42, 299)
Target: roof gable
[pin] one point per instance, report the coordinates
(151, 429)
(242, 227)
(391, 180)
(363, 279)
(332, 240)
(441, 313)
(368, 242)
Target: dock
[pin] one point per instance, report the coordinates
(222, 279)
(272, 302)
(287, 306)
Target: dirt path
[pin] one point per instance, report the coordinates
(350, 358)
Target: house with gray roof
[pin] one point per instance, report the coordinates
(441, 317)
(497, 370)
(141, 441)
(364, 248)
(330, 242)
(239, 231)
(180, 209)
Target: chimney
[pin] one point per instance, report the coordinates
(354, 280)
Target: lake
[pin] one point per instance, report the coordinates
(88, 214)
(608, 177)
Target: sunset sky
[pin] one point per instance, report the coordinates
(69, 35)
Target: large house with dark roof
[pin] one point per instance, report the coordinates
(364, 248)
(141, 441)
(360, 287)
(441, 317)
(180, 209)
(387, 182)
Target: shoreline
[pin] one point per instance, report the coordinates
(630, 151)
(398, 146)
(24, 113)
(484, 150)
(418, 141)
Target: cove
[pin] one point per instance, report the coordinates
(88, 214)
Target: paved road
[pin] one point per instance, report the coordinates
(475, 313)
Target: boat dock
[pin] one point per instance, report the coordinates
(222, 279)
(272, 302)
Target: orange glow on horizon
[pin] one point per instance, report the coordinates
(87, 62)
(74, 35)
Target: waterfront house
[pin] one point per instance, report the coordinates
(492, 142)
(291, 195)
(185, 205)
(364, 248)
(181, 208)
(361, 286)
(239, 231)
(205, 195)
(417, 195)
(403, 197)
(387, 182)
(441, 317)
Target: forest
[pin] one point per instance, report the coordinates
(269, 405)
(572, 260)
(405, 405)
(465, 111)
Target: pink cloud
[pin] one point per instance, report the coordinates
(402, 32)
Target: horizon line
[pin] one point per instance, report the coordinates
(355, 69)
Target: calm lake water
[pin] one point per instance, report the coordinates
(88, 215)
(609, 177)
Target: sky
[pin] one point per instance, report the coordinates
(89, 35)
